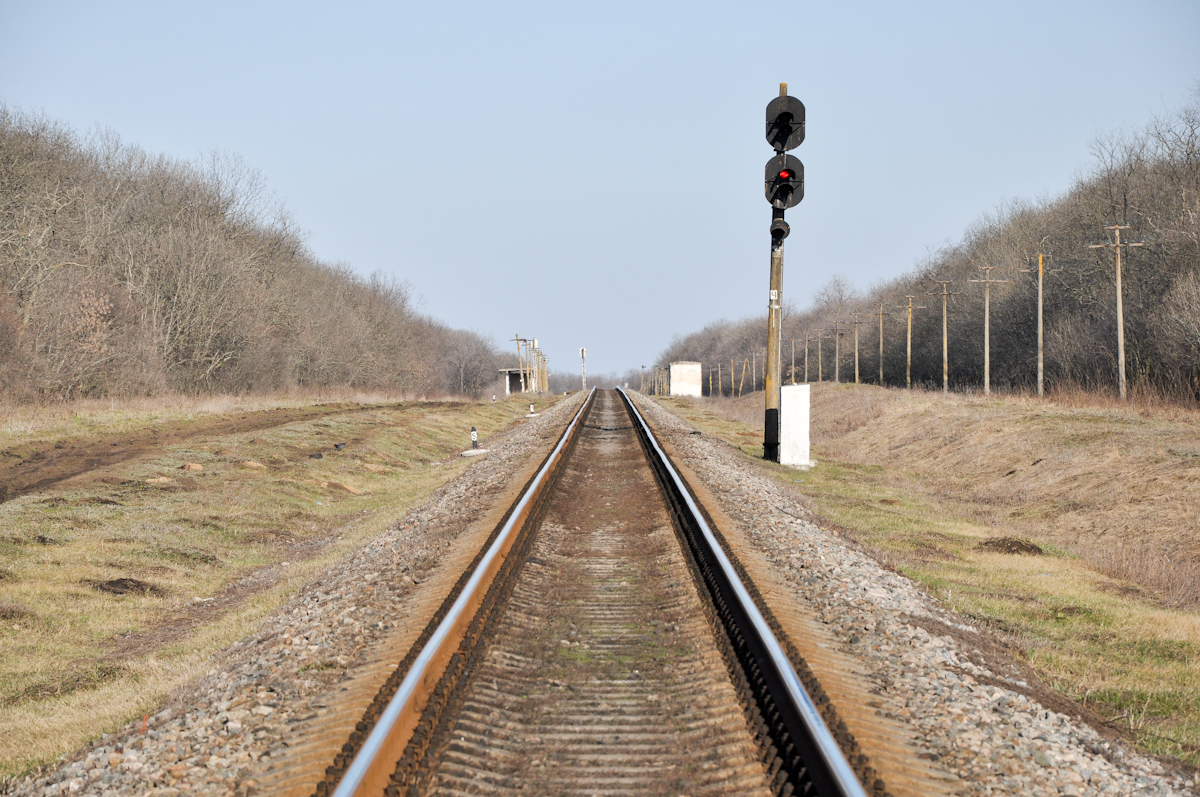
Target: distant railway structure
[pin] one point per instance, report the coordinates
(532, 374)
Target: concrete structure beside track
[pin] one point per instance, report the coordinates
(686, 378)
(794, 426)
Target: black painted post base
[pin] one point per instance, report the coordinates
(771, 436)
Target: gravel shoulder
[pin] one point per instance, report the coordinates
(975, 715)
(278, 705)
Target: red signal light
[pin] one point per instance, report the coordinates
(785, 174)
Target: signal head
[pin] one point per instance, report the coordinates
(784, 181)
(785, 123)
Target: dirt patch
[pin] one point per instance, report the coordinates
(1010, 545)
(179, 624)
(127, 586)
(11, 610)
(31, 468)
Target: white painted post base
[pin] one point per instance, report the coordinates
(794, 426)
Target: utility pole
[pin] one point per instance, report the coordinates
(857, 320)
(1041, 269)
(793, 361)
(1116, 228)
(987, 326)
(806, 356)
(520, 363)
(642, 388)
(837, 350)
(881, 315)
(908, 364)
(583, 365)
(783, 186)
(945, 294)
(820, 365)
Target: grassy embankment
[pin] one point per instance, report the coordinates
(940, 487)
(200, 555)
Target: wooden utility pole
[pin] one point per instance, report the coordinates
(1116, 228)
(806, 356)
(520, 362)
(857, 320)
(945, 294)
(742, 381)
(987, 326)
(820, 357)
(881, 315)
(793, 361)
(1041, 270)
(720, 380)
(583, 364)
(837, 350)
(908, 362)
(753, 371)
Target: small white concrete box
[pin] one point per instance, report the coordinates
(794, 426)
(685, 379)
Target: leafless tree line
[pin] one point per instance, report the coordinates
(1149, 180)
(123, 272)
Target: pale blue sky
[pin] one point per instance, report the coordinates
(441, 142)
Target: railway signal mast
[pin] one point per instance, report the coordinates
(783, 185)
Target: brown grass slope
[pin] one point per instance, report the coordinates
(122, 581)
(1069, 532)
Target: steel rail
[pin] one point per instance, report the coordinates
(831, 772)
(367, 773)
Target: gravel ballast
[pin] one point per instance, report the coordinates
(223, 734)
(981, 725)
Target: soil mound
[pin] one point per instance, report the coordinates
(127, 586)
(1010, 545)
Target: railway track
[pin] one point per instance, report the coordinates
(604, 641)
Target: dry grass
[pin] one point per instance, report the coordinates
(1106, 613)
(1117, 484)
(71, 665)
(24, 420)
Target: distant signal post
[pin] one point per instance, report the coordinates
(784, 188)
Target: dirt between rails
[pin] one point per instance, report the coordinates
(34, 467)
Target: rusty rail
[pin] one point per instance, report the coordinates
(373, 765)
(804, 752)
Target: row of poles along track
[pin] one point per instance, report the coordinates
(656, 380)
